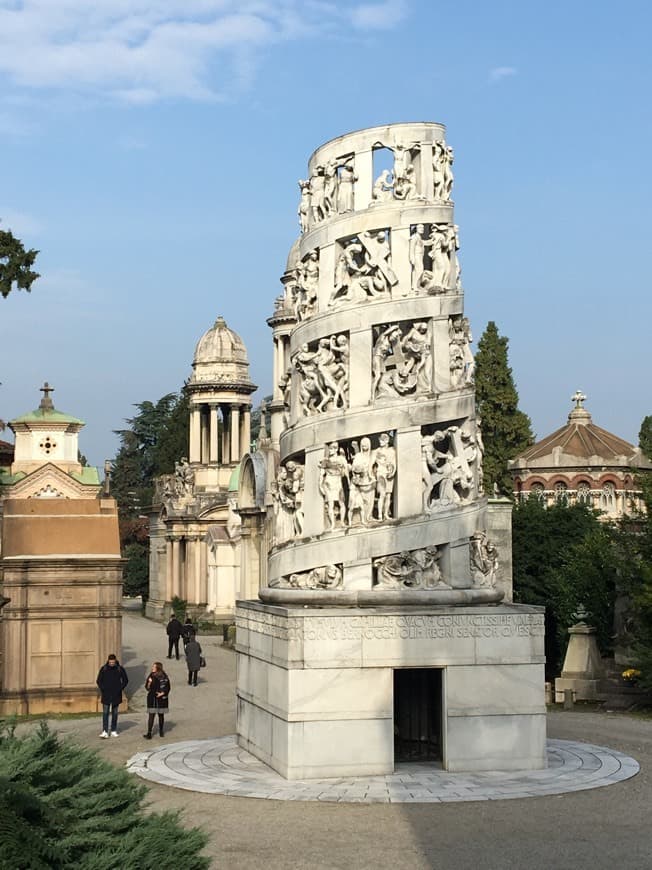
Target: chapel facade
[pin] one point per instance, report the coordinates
(582, 463)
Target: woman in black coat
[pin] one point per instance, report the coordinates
(158, 688)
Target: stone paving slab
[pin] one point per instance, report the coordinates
(220, 766)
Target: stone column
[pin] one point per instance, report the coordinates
(234, 430)
(226, 423)
(426, 177)
(364, 169)
(400, 246)
(442, 359)
(360, 363)
(278, 369)
(245, 432)
(327, 256)
(176, 568)
(195, 435)
(168, 572)
(214, 429)
(205, 436)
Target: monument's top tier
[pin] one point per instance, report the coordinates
(384, 136)
(394, 165)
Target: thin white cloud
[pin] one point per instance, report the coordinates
(20, 224)
(140, 51)
(501, 72)
(379, 16)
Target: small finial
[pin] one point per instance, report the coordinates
(579, 398)
(220, 321)
(108, 465)
(46, 402)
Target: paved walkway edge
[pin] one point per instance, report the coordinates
(220, 766)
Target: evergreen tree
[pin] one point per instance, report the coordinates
(645, 436)
(15, 265)
(506, 430)
(63, 807)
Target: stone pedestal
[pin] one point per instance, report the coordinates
(583, 668)
(316, 687)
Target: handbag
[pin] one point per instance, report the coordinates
(202, 662)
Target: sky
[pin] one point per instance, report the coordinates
(150, 151)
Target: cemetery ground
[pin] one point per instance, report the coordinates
(598, 828)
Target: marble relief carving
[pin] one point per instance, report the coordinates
(323, 368)
(326, 577)
(363, 269)
(447, 476)
(327, 192)
(305, 286)
(442, 166)
(287, 492)
(433, 258)
(401, 362)
(416, 569)
(356, 482)
(399, 182)
(462, 364)
(483, 557)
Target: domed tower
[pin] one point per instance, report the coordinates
(385, 623)
(220, 406)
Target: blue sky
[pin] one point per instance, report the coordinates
(151, 152)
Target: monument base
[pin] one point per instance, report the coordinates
(331, 692)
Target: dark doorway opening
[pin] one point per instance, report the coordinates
(417, 714)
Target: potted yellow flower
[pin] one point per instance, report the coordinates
(630, 676)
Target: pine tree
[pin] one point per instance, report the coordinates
(62, 806)
(15, 265)
(645, 436)
(506, 430)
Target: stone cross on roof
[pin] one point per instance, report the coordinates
(46, 402)
(579, 398)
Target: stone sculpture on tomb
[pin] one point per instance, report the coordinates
(306, 286)
(362, 484)
(442, 163)
(184, 478)
(330, 187)
(304, 206)
(284, 506)
(384, 469)
(345, 187)
(324, 375)
(417, 569)
(401, 363)
(326, 577)
(439, 244)
(363, 269)
(334, 471)
(484, 560)
(462, 364)
(383, 189)
(317, 195)
(417, 252)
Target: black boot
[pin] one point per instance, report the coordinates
(147, 736)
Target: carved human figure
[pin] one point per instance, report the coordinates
(317, 195)
(347, 269)
(418, 359)
(402, 364)
(483, 557)
(383, 189)
(330, 186)
(417, 251)
(456, 366)
(324, 374)
(327, 577)
(304, 206)
(334, 470)
(439, 245)
(283, 507)
(447, 158)
(295, 484)
(415, 569)
(438, 170)
(363, 484)
(383, 347)
(184, 477)
(437, 471)
(406, 188)
(384, 469)
(462, 362)
(308, 285)
(377, 257)
(345, 187)
(455, 274)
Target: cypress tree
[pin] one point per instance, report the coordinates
(506, 430)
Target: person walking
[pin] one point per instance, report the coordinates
(111, 680)
(193, 660)
(189, 631)
(174, 630)
(158, 688)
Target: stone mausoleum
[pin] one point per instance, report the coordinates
(60, 568)
(382, 632)
(194, 531)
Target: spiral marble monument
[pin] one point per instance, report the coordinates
(380, 629)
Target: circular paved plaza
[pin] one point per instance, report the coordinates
(219, 766)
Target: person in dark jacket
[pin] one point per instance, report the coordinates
(158, 688)
(174, 631)
(189, 631)
(193, 660)
(111, 680)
